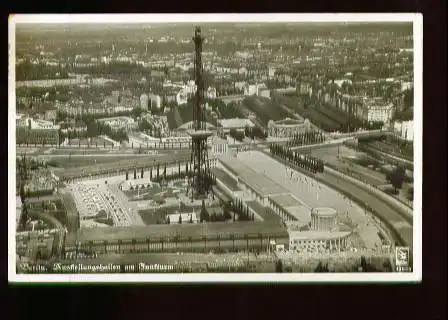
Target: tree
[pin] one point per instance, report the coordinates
(279, 266)
(321, 268)
(397, 177)
(92, 128)
(227, 215)
(411, 193)
(22, 193)
(204, 216)
(144, 125)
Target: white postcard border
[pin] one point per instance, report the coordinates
(416, 274)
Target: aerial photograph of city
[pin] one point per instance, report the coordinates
(213, 147)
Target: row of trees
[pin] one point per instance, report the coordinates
(237, 207)
(94, 129)
(323, 267)
(85, 117)
(29, 163)
(229, 111)
(306, 138)
(241, 210)
(304, 161)
(27, 136)
(30, 71)
(157, 175)
(393, 139)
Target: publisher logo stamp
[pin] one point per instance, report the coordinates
(402, 259)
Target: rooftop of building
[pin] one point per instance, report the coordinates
(265, 213)
(293, 206)
(222, 229)
(285, 200)
(290, 122)
(218, 140)
(123, 118)
(235, 123)
(258, 182)
(189, 125)
(324, 211)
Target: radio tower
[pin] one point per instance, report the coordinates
(200, 181)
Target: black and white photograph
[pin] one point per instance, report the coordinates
(215, 147)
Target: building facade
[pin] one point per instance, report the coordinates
(380, 112)
(144, 102)
(235, 124)
(323, 219)
(405, 129)
(117, 123)
(312, 241)
(288, 127)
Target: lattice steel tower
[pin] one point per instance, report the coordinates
(200, 180)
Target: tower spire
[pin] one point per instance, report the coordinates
(201, 181)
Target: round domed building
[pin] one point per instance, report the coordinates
(323, 219)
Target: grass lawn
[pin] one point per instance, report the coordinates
(76, 151)
(393, 149)
(74, 162)
(76, 142)
(150, 216)
(265, 109)
(143, 192)
(346, 165)
(100, 142)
